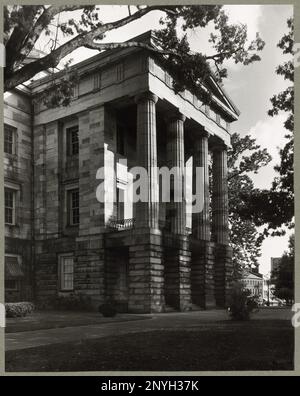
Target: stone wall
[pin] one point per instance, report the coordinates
(18, 176)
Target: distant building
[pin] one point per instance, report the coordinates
(254, 282)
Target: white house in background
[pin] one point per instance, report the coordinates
(254, 282)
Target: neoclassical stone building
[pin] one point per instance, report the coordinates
(145, 257)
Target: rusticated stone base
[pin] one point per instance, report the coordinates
(146, 280)
(223, 271)
(202, 274)
(177, 274)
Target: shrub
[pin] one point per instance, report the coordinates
(241, 304)
(108, 310)
(18, 309)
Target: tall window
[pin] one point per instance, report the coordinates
(73, 206)
(120, 204)
(9, 139)
(10, 198)
(66, 273)
(72, 141)
(120, 140)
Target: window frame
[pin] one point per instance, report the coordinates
(70, 142)
(62, 273)
(120, 201)
(120, 139)
(12, 208)
(70, 208)
(13, 131)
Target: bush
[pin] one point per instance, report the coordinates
(18, 309)
(70, 302)
(108, 310)
(241, 304)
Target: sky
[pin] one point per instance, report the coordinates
(250, 87)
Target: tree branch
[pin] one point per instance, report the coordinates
(220, 54)
(128, 44)
(52, 60)
(44, 20)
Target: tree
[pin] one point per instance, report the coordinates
(24, 25)
(284, 101)
(244, 158)
(275, 207)
(283, 277)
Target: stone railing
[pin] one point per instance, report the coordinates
(123, 224)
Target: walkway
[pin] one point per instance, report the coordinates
(125, 324)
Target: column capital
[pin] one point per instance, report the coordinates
(144, 96)
(174, 116)
(200, 132)
(204, 133)
(219, 147)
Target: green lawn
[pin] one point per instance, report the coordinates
(253, 345)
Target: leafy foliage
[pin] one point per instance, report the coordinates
(24, 25)
(241, 304)
(18, 309)
(275, 208)
(283, 277)
(244, 157)
(108, 310)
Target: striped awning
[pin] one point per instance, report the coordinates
(13, 269)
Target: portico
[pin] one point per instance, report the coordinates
(172, 265)
(148, 256)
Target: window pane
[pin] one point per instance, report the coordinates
(67, 269)
(72, 140)
(8, 139)
(74, 207)
(9, 206)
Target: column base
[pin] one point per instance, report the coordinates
(202, 274)
(177, 275)
(146, 280)
(223, 274)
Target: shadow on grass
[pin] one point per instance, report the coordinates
(253, 345)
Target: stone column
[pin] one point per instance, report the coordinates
(177, 256)
(220, 230)
(147, 212)
(200, 220)
(145, 262)
(202, 270)
(175, 159)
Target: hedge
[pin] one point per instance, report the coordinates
(18, 309)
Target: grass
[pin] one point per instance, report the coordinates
(253, 345)
(58, 319)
